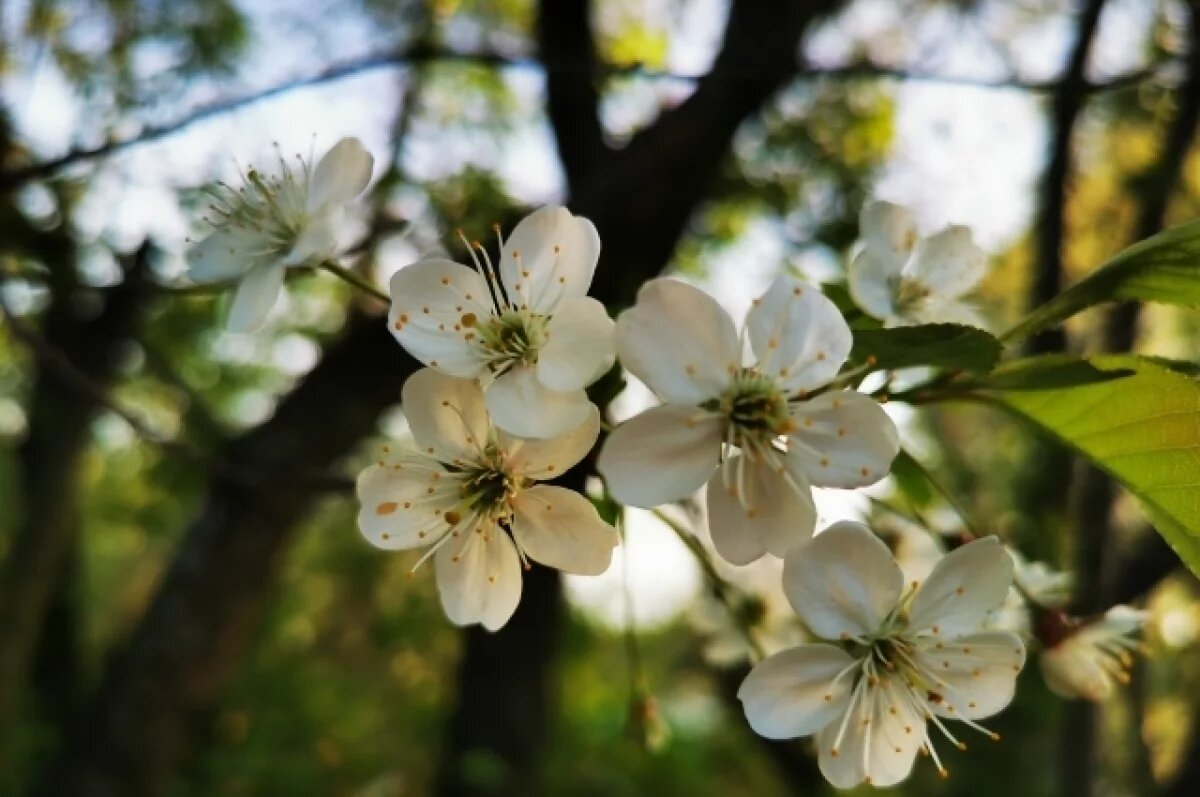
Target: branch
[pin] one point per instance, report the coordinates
(1068, 101)
(202, 619)
(572, 101)
(639, 202)
(643, 199)
(140, 725)
(566, 66)
(60, 417)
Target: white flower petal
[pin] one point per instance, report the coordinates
(873, 282)
(798, 335)
(1073, 671)
(479, 578)
(580, 347)
(435, 306)
(446, 415)
(843, 439)
(793, 693)
(678, 341)
(548, 459)
(396, 508)
(662, 455)
(341, 175)
(562, 529)
(521, 405)
(948, 263)
(319, 239)
(963, 587)
(256, 294)
(976, 675)
(222, 255)
(843, 581)
(551, 255)
(889, 231)
(776, 512)
(880, 742)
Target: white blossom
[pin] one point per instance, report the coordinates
(900, 657)
(1090, 658)
(526, 327)
(903, 279)
(274, 222)
(770, 425)
(470, 493)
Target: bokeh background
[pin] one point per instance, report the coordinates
(186, 606)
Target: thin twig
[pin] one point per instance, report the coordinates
(369, 63)
(354, 279)
(81, 382)
(720, 586)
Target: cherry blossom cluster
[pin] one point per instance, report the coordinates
(755, 415)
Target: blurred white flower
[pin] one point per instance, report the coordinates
(760, 610)
(274, 222)
(1090, 658)
(757, 421)
(527, 327)
(903, 279)
(1050, 589)
(901, 656)
(469, 492)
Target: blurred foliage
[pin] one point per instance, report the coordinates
(349, 684)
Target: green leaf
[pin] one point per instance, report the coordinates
(911, 480)
(1163, 268)
(952, 346)
(1047, 372)
(1143, 429)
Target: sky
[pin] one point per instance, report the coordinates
(962, 154)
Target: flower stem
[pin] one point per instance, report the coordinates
(358, 282)
(720, 587)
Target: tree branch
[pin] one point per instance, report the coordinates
(1067, 102)
(140, 725)
(572, 101)
(203, 617)
(568, 67)
(639, 201)
(60, 416)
